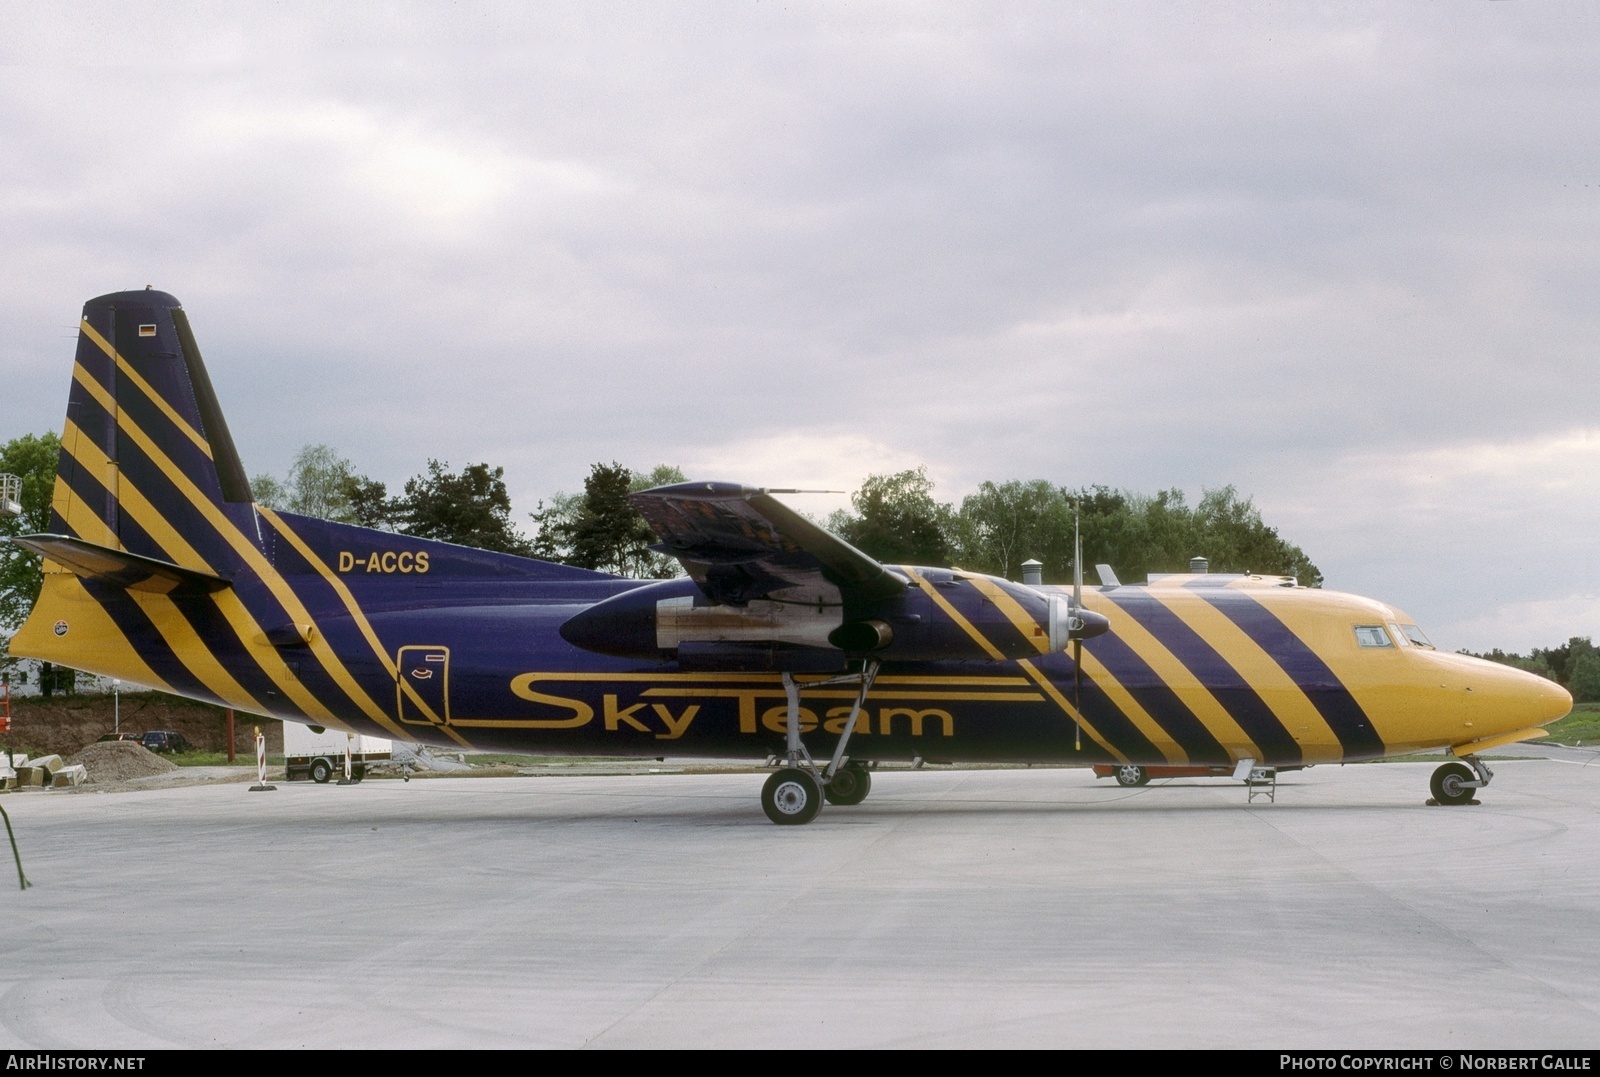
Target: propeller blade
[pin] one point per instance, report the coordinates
(1077, 563)
(1077, 693)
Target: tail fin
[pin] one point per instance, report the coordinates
(147, 464)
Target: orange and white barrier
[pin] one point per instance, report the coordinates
(261, 764)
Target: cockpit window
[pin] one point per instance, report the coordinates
(1372, 636)
(1414, 634)
(1399, 636)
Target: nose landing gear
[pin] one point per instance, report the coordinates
(1458, 783)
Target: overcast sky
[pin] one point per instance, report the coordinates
(1342, 257)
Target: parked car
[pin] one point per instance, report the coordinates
(1131, 775)
(165, 740)
(121, 736)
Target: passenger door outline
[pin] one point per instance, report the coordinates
(422, 685)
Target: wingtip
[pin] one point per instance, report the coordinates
(701, 491)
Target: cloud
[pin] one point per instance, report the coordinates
(1519, 627)
(1489, 540)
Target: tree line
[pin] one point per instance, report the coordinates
(897, 519)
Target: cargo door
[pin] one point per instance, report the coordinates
(422, 685)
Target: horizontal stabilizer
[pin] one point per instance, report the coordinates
(120, 568)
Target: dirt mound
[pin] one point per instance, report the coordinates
(119, 760)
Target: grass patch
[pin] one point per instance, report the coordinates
(1583, 724)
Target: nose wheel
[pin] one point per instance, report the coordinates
(1458, 783)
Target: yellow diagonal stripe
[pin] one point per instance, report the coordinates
(954, 614)
(1124, 701)
(125, 368)
(80, 519)
(192, 651)
(1020, 618)
(93, 638)
(1071, 712)
(350, 604)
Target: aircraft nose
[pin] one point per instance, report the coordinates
(1515, 699)
(1555, 702)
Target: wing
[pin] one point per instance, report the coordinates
(740, 543)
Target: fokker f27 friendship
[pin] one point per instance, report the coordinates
(782, 641)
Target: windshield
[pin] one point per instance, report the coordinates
(1414, 634)
(1372, 636)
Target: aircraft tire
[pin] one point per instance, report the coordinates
(850, 786)
(321, 771)
(1131, 776)
(791, 797)
(1446, 784)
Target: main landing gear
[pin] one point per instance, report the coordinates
(1456, 783)
(794, 794)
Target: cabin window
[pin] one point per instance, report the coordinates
(1414, 634)
(1372, 636)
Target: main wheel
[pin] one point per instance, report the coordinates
(1129, 775)
(1448, 784)
(321, 771)
(791, 797)
(850, 785)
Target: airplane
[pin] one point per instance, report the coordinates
(782, 641)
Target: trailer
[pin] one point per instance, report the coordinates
(312, 752)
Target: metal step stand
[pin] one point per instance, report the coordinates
(1262, 782)
(1258, 781)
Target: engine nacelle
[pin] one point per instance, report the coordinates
(957, 617)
